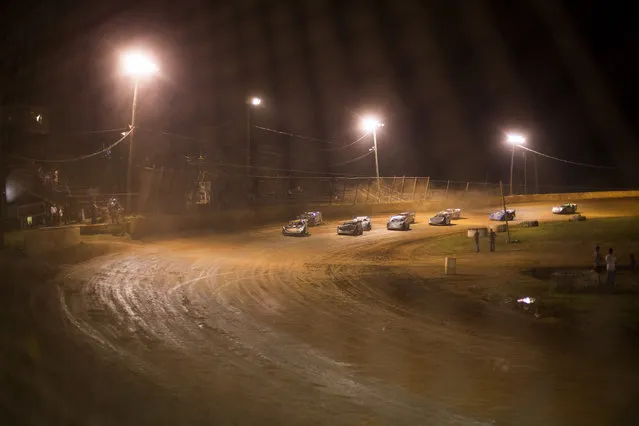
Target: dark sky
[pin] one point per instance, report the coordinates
(447, 77)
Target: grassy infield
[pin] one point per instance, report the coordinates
(523, 269)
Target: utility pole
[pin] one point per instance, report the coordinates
(525, 175)
(536, 176)
(130, 163)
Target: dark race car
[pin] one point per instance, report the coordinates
(366, 222)
(313, 218)
(295, 228)
(569, 208)
(440, 219)
(399, 222)
(351, 227)
(502, 215)
(409, 215)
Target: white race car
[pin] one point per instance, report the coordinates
(399, 222)
(568, 208)
(312, 218)
(409, 215)
(296, 228)
(366, 222)
(454, 213)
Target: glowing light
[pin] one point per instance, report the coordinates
(255, 101)
(138, 64)
(515, 139)
(527, 300)
(370, 123)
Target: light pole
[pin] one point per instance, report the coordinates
(138, 66)
(251, 103)
(370, 124)
(514, 139)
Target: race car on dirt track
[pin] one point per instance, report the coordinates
(568, 208)
(366, 222)
(441, 218)
(501, 215)
(409, 215)
(399, 222)
(350, 227)
(454, 213)
(313, 218)
(295, 228)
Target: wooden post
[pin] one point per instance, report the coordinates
(401, 191)
(503, 200)
(356, 192)
(447, 186)
(368, 190)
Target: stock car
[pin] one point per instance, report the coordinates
(398, 222)
(502, 215)
(366, 222)
(454, 213)
(409, 215)
(312, 218)
(442, 219)
(350, 227)
(297, 227)
(568, 208)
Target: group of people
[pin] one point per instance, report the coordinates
(610, 262)
(491, 236)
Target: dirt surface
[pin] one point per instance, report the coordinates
(258, 328)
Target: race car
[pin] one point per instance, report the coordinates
(295, 228)
(313, 218)
(366, 222)
(398, 222)
(568, 208)
(409, 215)
(350, 227)
(441, 218)
(454, 213)
(500, 215)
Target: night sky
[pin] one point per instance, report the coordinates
(446, 77)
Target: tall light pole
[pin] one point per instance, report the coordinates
(138, 66)
(251, 103)
(370, 124)
(514, 139)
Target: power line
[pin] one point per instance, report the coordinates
(566, 161)
(347, 145)
(82, 157)
(293, 135)
(353, 160)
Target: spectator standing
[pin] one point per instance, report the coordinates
(476, 238)
(492, 239)
(611, 268)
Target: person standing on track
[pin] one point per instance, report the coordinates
(492, 236)
(476, 238)
(611, 268)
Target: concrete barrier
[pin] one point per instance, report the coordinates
(48, 239)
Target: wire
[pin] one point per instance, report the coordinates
(566, 161)
(347, 145)
(293, 135)
(82, 157)
(353, 160)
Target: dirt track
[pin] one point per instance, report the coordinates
(257, 328)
